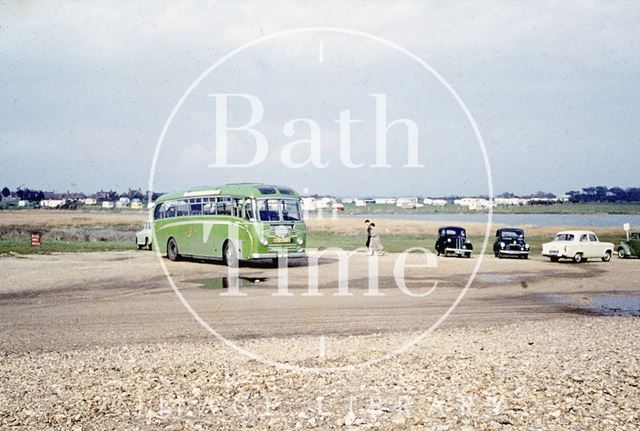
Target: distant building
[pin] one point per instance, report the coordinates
(108, 204)
(385, 201)
(52, 203)
(434, 202)
(308, 203)
(324, 202)
(409, 203)
(510, 201)
(474, 203)
(361, 203)
(136, 204)
(90, 201)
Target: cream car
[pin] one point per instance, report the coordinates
(144, 237)
(578, 245)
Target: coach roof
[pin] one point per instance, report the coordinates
(255, 190)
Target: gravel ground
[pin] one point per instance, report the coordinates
(571, 373)
(100, 341)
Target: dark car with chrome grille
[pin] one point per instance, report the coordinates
(510, 242)
(453, 240)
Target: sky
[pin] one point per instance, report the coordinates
(87, 88)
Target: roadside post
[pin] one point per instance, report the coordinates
(626, 228)
(36, 239)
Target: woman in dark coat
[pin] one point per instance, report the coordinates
(368, 223)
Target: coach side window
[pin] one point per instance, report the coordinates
(170, 210)
(196, 206)
(224, 206)
(182, 208)
(158, 213)
(209, 206)
(237, 207)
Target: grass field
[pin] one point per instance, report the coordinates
(399, 243)
(22, 245)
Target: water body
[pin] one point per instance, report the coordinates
(599, 305)
(541, 220)
(224, 282)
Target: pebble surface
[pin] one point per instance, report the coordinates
(575, 372)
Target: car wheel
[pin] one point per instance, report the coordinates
(467, 255)
(499, 255)
(578, 258)
(172, 250)
(229, 255)
(621, 253)
(607, 256)
(150, 246)
(525, 256)
(554, 258)
(496, 254)
(139, 246)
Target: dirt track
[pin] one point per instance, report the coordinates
(79, 300)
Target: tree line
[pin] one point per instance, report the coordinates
(605, 194)
(30, 195)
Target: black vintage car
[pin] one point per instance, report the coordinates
(630, 247)
(453, 240)
(510, 242)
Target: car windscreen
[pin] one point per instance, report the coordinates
(279, 210)
(452, 232)
(512, 234)
(291, 210)
(269, 209)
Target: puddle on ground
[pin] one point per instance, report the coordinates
(599, 305)
(223, 282)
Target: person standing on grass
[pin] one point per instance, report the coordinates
(368, 223)
(375, 245)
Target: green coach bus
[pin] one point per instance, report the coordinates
(232, 222)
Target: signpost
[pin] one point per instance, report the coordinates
(36, 239)
(627, 228)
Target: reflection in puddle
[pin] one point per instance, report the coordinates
(600, 305)
(223, 282)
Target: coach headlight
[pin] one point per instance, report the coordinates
(264, 241)
(300, 241)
